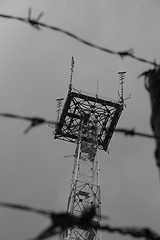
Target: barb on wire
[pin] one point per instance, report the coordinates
(132, 132)
(32, 21)
(36, 24)
(129, 52)
(60, 222)
(34, 121)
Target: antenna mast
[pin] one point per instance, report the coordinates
(59, 104)
(121, 79)
(71, 75)
(97, 90)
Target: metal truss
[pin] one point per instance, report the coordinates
(78, 106)
(85, 189)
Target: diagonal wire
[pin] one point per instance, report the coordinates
(135, 232)
(62, 221)
(34, 121)
(59, 221)
(36, 24)
(24, 208)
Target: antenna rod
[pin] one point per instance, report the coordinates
(71, 76)
(59, 103)
(97, 90)
(121, 78)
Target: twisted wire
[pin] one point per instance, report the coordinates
(60, 222)
(37, 121)
(36, 24)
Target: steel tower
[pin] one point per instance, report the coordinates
(89, 122)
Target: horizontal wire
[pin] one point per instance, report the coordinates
(37, 121)
(132, 132)
(34, 121)
(36, 24)
(64, 221)
(135, 232)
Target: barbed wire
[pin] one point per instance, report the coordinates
(34, 22)
(34, 121)
(132, 132)
(37, 121)
(61, 222)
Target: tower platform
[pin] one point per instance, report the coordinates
(94, 110)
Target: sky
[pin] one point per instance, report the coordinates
(35, 71)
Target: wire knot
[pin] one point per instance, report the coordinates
(34, 22)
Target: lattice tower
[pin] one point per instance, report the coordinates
(89, 122)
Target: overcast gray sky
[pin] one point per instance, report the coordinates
(35, 70)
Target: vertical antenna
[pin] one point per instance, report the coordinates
(59, 104)
(71, 76)
(97, 90)
(121, 78)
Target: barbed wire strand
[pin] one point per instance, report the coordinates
(62, 221)
(36, 24)
(34, 121)
(37, 121)
(132, 132)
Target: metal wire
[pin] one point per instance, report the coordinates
(34, 22)
(34, 121)
(132, 132)
(60, 222)
(37, 121)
